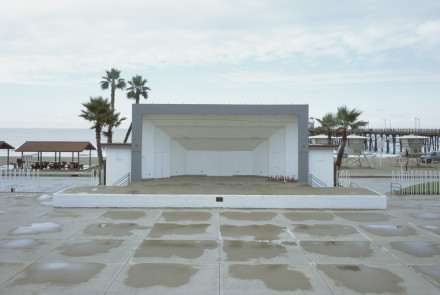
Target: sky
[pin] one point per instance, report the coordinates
(380, 57)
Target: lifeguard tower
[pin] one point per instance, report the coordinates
(413, 144)
(355, 144)
(354, 151)
(323, 139)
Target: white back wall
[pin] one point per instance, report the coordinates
(221, 145)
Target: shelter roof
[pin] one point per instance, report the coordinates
(6, 146)
(55, 146)
(412, 136)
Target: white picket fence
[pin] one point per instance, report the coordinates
(415, 182)
(343, 178)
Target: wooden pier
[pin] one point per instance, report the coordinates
(388, 136)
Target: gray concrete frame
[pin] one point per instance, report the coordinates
(138, 110)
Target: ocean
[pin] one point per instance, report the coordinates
(18, 136)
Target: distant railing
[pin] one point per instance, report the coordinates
(123, 181)
(316, 182)
(16, 179)
(415, 183)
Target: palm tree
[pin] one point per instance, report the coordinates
(135, 91)
(346, 119)
(328, 122)
(100, 112)
(113, 81)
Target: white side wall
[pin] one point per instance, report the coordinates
(118, 164)
(321, 165)
(147, 149)
(219, 163)
(276, 157)
(291, 150)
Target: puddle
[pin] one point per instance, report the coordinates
(338, 249)
(246, 250)
(186, 216)
(303, 216)
(325, 229)
(395, 205)
(89, 248)
(364, 217)
(426, 216)
(259, 232)
(163, 229)
(418, 249)
(37, 228)
(389, 230)
(432, 271)
(61, 213)
(115, 229)
(20, 244)
(56, 273)
(275, 276)
(144, 275)
(129, 215)
(249, 216)
(432, 228)
(364, 279)
(170, 248)
(44, 197)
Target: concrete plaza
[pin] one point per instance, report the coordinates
(46, 250)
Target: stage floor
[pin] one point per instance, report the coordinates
(219, 192)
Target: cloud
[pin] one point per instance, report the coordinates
(44, 39)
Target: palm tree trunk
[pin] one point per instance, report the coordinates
(99, 148)
(341, 149)
(128, 133)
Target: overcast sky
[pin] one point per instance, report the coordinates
(381, 57)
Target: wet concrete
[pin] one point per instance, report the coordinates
(432, 271)
(61, 213)
(426, 216)
(277, 277)
(20, 244)
(89, 248)
(247, 250)
(259, 232)
(249, 216)
(364, 279)
(124, 215)
(338, 248)
(388, 230)
(164, 229)
(59, 273)
(303, 216)
(113, 229)
(177, 216)
(418, 249)
(180, 248)
(332, 230)
(144, 275)
(432, 228)
(37, 228)
(364, 217)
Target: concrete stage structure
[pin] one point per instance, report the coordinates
(219, 192)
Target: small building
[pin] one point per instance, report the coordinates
(355, 144)
(413, 144)
(118, 162)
